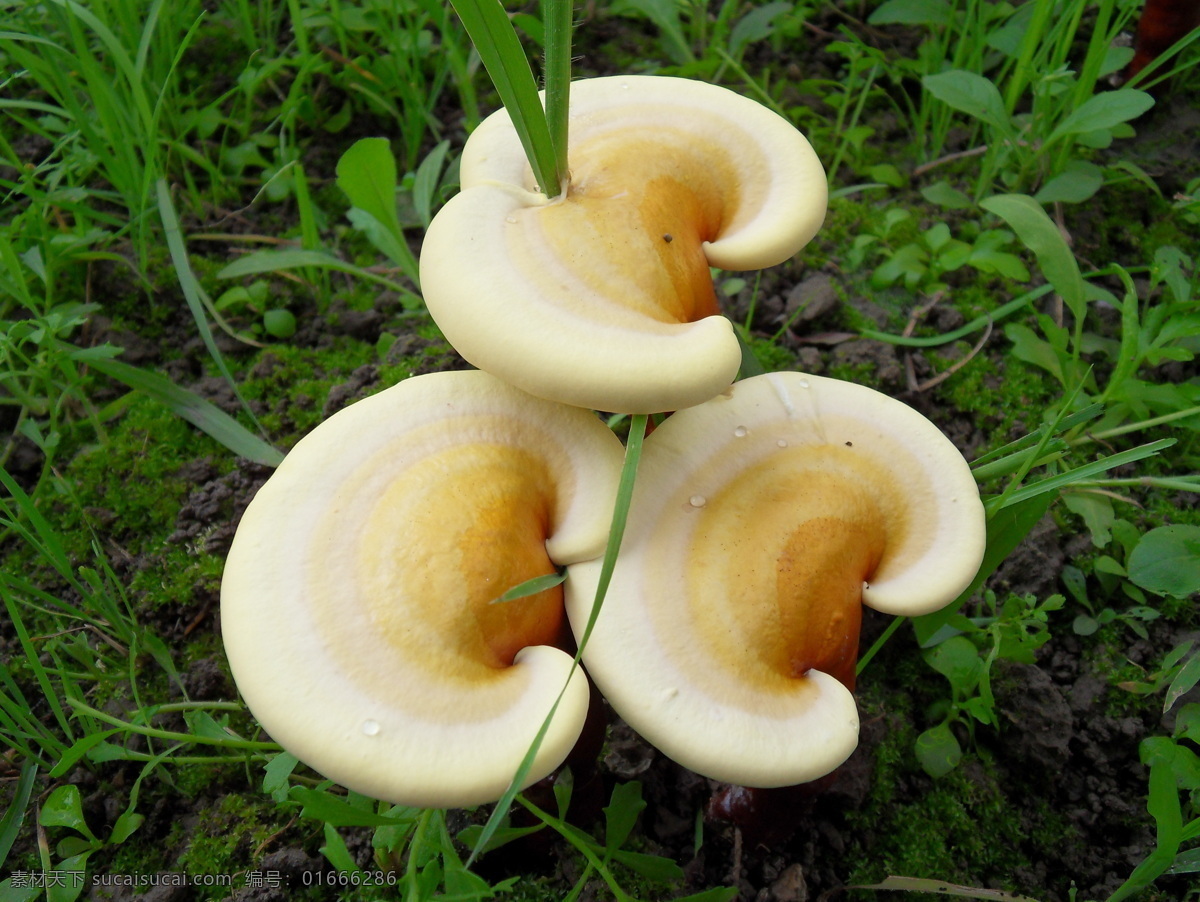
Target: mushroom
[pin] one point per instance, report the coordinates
(761, 521)
(356, 600)
(603, 297)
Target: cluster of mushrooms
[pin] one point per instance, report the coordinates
(358, 598)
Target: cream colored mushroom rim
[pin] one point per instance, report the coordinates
(356, 598)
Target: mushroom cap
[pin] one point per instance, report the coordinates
(760, 522)
(603, 297)
(355, 600)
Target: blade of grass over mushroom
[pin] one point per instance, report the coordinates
(557, 16)
(532, 587)
(633, 454)
(490, 30)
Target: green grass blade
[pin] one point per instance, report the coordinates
(296, 258)
(1070, 477)
(492, 33)
(193, 292)
(200, 413)
(558, 15)
(10, 824)
(633, 454)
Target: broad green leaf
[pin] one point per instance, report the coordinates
(621, 813)
(366, 173)
(1028, 347)
(389, 244)
(276, 774)
(1037, 231)
(938, 750)
(652, 867)
(946, 196)
(957, 660)
(1167, 561)
(64, 808)
(1076, 184)
(756, 25)
(972, 94)
(1102, 111)
(125, 827)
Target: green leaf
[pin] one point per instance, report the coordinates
(938, 750)
(366, 173)
(652, 867)
(757, 25)
(1028, 347)
(425, 182)
(64, 808)
(1038, 232)
(276, 774)
(1078, 182)
(337, 812)
(957, 659)
(946, 196)
(336, 852)
(972, 94)
(1167, 561)
(125, 827)
(1102, 111)
(621, 813)
(1184, 682)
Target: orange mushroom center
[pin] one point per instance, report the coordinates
(635, 219)
(442, 539)
(779, 558)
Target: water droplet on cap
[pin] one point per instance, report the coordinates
(370, 728)
(740, 432)
(697, 501)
